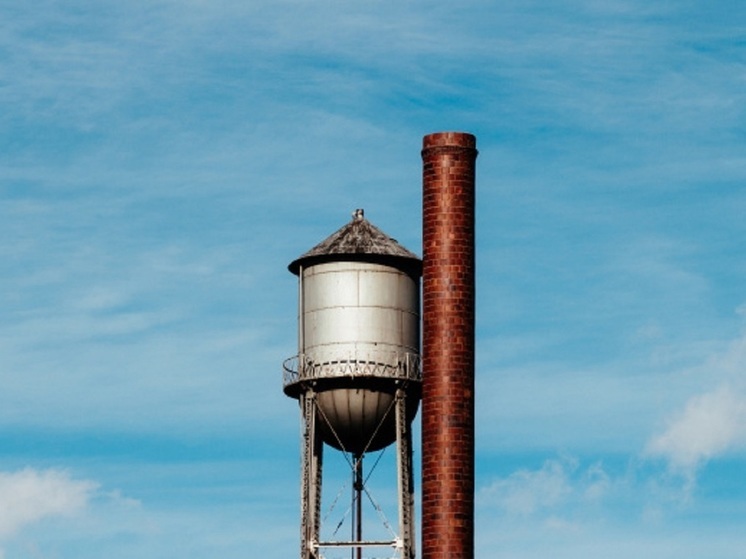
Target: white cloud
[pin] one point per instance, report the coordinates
(29, 495)
(559, 494)
(596, 482)
(526, 492)
(712, 422)
(710, 425)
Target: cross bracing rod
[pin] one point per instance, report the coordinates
(370, 543)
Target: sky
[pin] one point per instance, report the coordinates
(162, 161)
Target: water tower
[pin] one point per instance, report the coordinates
(357, 374)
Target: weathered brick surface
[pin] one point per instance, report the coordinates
(448, 346)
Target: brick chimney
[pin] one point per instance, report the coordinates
(448, 346)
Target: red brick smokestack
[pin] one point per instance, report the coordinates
(448, 346)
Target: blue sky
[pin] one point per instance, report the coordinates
(161, 162)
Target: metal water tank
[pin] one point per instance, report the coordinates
(358, 335)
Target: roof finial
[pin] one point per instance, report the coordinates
(358, 214)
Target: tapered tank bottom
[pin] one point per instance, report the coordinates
(357, 415)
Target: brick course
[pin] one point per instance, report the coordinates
(448, 346)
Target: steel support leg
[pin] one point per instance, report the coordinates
(405, 476)
(311, 468)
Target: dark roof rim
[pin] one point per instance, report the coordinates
(407, 264)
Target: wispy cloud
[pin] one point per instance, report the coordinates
(28, 496)
(712, 422)
(709, 426)
(560, 484)
(525, 492)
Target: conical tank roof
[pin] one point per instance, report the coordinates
(360, 241)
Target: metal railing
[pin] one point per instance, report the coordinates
(371, 363)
